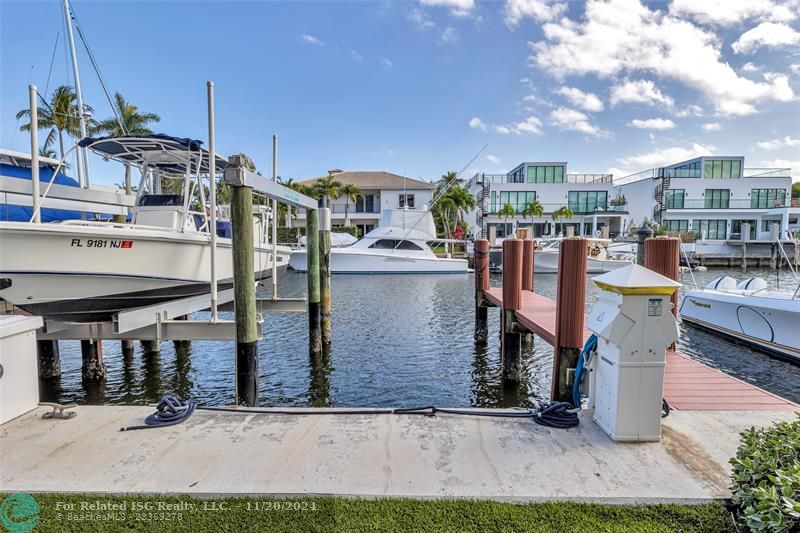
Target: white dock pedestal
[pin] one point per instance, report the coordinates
(19, 379)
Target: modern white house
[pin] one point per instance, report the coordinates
(711, 196)
(381, 190)
(591, 197)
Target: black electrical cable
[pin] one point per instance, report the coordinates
(665, 409)
(171, 411)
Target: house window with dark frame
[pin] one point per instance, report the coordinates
(673, 198)
(717, 198)
(588, 201)
(366, 204)
(766, 198)
(406, 200)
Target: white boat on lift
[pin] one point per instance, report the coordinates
(85, 271)
(748, 312)
(599, 258)
(399, 245)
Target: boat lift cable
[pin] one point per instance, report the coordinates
(171, 411)
(689, 265)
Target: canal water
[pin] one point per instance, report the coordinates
(397, 341)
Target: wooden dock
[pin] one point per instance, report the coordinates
(688, 384)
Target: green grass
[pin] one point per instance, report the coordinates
(345, 514)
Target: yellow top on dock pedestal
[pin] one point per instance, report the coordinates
(634, 279)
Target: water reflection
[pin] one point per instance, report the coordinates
(397, 341)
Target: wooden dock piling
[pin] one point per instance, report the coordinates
(662, 255)
(92, 368)
(481, 284)
(528, 250)
(127, 348)
(325, 274)
(244, 288)
(510, 345)
(570, 314)
(312, 268)
(49, 359)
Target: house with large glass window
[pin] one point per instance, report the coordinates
(595, 206)
(380, 190)
(713, 197)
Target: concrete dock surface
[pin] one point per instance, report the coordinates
(373, 455)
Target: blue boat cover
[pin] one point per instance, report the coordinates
(19, 213)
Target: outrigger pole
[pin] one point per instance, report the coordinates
(83, 160)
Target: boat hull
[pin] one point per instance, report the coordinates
(87, 273)
(547, 263)
(346, 262)
(760, 322)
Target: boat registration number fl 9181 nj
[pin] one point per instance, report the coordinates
(101, 243)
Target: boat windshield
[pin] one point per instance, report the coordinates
(394, 244)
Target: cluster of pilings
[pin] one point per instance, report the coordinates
(660, 254)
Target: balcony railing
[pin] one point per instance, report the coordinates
(589, 178)
(733, 203)
(577, 210)
(696, 173)
(767, 172)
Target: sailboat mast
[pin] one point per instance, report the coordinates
(83, 160)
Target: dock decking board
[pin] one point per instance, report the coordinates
(688, 384)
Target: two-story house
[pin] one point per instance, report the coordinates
(380, 190)
(712, 197)
(591, 197)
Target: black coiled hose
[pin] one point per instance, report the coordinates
(560, 415)
(169, 411)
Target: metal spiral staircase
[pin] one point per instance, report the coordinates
(658, 210)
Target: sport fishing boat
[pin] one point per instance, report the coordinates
(399, 245)
(748, 312)
(599, 258)
(85, 271)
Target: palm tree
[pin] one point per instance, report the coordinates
(506, 212)
(533, 209)
(562, 213)
(328, 188)
(60, 114)
(131, 122)
(463, 201)
(445, 206)
(445, 181)
(351, 193)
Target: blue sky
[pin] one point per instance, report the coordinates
(418, 87)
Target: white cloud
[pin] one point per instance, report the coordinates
(310, 39)
(712, 126)
(356, 55)
(652, 124)
(666, 156)
(639, 92)
(459, 8)
(420, 19)
(794, 164)
(450, 36)
(795, 67)
(493, 159)
(578, 98)
(620, 37)
(386, 62)
(572, 120)
(477, 124)
(750, 67)
(774, 144)
(690, 111)
(539, 10)
(530, 125)
(730, 12)
(772, 34)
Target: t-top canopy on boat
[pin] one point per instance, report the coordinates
(170, 154)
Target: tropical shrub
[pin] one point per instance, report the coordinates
(766, 477)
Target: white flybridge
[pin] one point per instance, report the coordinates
(599, 258)
(398, 245)
(748, 312)
(86, 271)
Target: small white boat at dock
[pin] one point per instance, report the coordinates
(599, 258)
(748, 312)
(399, 245)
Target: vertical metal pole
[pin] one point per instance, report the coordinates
(275, 220)
(312, 268)
(325, 273)
(83, 166)
(212, 187)
(34, 116)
